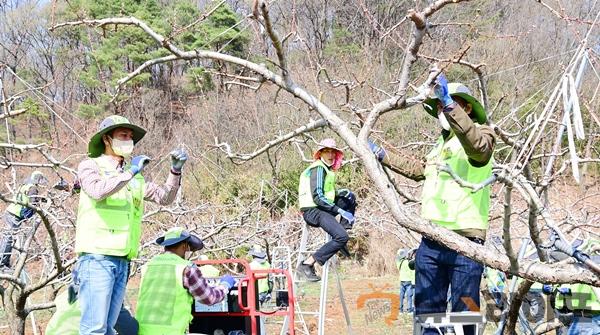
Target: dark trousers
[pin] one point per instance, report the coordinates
(437, 268)
(11, 224)
(339, 237)
(318, 218)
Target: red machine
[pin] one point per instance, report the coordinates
(241, 311)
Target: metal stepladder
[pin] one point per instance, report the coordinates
(283, 257)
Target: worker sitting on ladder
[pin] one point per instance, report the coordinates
(465, 147)
(170, 283)
(320, 203)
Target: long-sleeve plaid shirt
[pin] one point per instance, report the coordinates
(199, 288)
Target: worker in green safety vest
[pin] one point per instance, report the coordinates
(18, 211)
(320, 203)
(580, 299)
(260, 262)
(109, 217)
(265, 285)
(463, 151)
(405, 265)
(170, 283)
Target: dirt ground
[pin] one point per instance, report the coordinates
(372, 304)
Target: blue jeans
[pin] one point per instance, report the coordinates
(585, 326)
(102, 281)
(438, 268)
(11, 224)
(406, 290)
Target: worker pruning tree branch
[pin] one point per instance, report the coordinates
(358, 144)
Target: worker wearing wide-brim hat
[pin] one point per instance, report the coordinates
(320, 203)
(109, 217)
(18, 211)
(466, 146)
(170, 284)
(260, 262)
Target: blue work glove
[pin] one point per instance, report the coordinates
(346, 215)
(547, 289)
(227, 281)
(138, 163)
(178, 158)
(564, 290)
(377, 150)
(441, 90)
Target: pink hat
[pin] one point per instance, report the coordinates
(330, 144)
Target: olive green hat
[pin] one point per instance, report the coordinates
(462, 91)
(96, 145)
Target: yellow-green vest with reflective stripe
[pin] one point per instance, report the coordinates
(263, 284)
(582, 297)
(65, 321)
(209, 271)
(406, 274)
(444, 201)
(111, 226)
(494, 279)
(305, 197)
(164, 306)
(22, 197)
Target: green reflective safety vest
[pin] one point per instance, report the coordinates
(65, 321)
(305, 197)
(20, 196)
(406, 274)
(111, 226)
(582, 297)
(263, 284)
(164, 306)
(209, 271)
(444, 201)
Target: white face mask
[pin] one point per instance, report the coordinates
(122, 148)
(443, 121)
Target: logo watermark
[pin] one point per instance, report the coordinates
(376, 308)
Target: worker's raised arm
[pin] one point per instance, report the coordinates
(165, 194)
(402, 162)
(477, 140)
(97, 186)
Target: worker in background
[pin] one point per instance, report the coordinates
(496, 282)
(265, 286)
(17, 212)
(320, 203)
(260, 262)
(170, 284)
(109, 217)
(404, 260)
(466, 146)
(208, 270)
(581, 299)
